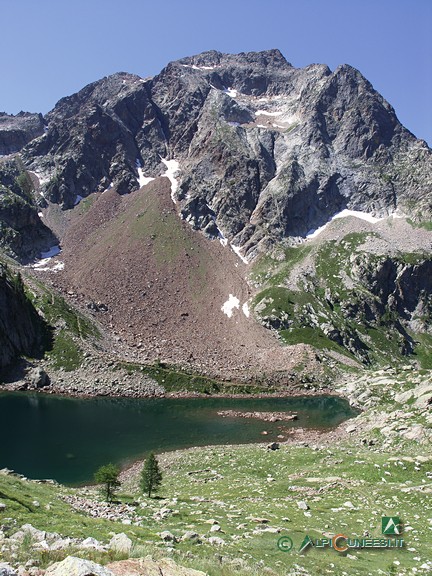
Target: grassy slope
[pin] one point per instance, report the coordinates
(333, 262)
(347, 488)
(379, 470)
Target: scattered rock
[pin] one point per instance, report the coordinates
(72, 566)
(302, 505)
(168, 536)
(190, 535)
(7, 570)
(121, 543)
(215, 540)
(265, 416)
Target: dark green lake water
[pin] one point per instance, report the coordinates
(68, 438)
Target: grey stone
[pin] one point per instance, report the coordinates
(38, 378)
(121, 543)
(215, 540)
(190, 535)
(168, 536)
(6, 570)
(72, 566)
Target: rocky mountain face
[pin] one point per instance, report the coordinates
(17, 131)
(23, 235)
(363, 291)
(21, 328)
(258, 154)
(266, 151)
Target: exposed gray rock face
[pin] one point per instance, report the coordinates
(266, 151)
(22, 233)
(17, 131)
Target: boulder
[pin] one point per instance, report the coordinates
(168, 536)
(273, 446)
(302, 505)
(121, 543)
(190, 535)
(36, 535)
(92, 543)
(72, 566)
(6, 570)
(38, 378)
(216, 541)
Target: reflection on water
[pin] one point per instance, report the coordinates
(69, 438)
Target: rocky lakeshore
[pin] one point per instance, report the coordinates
(265, 416)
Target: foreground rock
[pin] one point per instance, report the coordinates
(72, 566)
(7, 570)
(149, 567)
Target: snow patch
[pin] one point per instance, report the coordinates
(222, 239)
(40, 214)
(172, 167)
(78, 200)
(42, 268)
(42, 264)
(230, 304)
(199, 67)
(344, 214)
(237, 249)
(231, 92)
(265, 113)
(233, 124)
(245, 309)
(143, 180)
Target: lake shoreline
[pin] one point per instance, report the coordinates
(61, 392)
(126, 430)
(299, 436)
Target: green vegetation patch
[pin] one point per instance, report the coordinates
(335, 302)
(177, 380)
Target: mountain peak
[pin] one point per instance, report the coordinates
(213, 58)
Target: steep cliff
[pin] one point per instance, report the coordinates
(22, 330)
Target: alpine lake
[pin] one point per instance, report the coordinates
(67, 439)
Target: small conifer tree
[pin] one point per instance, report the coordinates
(108, 477)
(151, 476)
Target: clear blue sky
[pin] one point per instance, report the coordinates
(52, 48)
